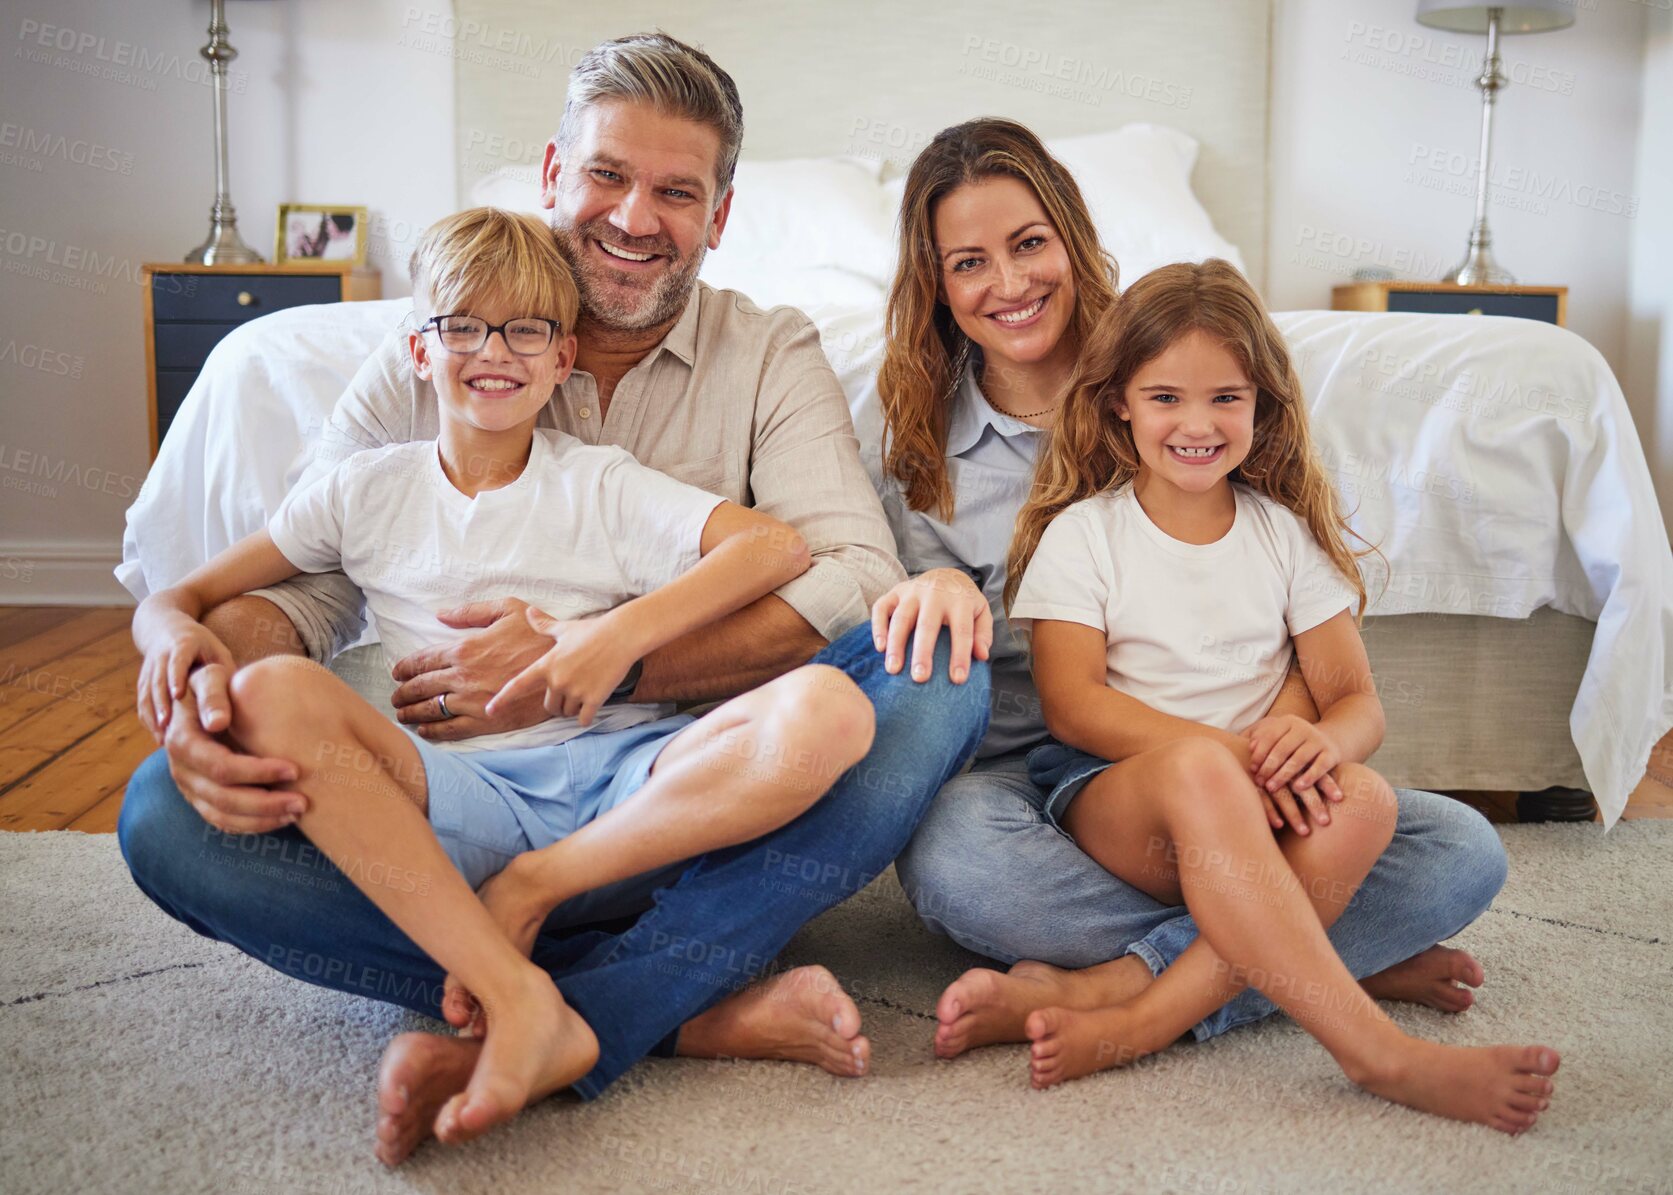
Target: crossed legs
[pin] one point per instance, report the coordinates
(1184, 822)
(746, 769)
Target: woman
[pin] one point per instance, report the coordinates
(1000, 278)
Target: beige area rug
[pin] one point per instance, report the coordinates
(137, 1057)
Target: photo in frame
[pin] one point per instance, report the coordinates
(319, 233)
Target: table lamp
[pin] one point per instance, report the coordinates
(224, 246)
(1526, 16)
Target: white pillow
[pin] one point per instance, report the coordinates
(1137, 182)
(804, 214)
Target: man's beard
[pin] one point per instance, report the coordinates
(647, 304)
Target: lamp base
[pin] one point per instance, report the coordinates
(224, 246)
(1478, 267)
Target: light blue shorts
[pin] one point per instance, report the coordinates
(487, 807)
(1059, 773)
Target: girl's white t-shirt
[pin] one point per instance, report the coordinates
(1198, 631)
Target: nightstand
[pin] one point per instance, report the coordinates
(1548, 304)
(188, 308)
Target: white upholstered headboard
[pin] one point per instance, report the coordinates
(879, 77)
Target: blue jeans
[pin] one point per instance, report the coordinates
(1036, 895)
(711, 930)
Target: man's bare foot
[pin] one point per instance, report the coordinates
(1431, 978)
(801, 1015)
(1072, 1043)
(420, 1072)
(535, 1045)
(983, 1007)
(1503, 1087)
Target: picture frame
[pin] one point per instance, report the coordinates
(331, 236)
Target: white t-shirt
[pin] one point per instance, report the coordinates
(1196, 631)
(582, 530)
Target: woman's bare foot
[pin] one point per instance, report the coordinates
(1073, 1043)
(420, 1072)
(535, 1045)
(983, 1007)
(801, 1015)
(1431, 978)
(1503, 1087)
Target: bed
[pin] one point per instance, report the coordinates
(1521, 624)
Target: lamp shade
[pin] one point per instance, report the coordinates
(1523, 16)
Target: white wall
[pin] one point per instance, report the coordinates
(329, 105)
(1376, 122)
(1374, 128)
(1648, 378)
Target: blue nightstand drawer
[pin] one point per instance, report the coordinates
(191, 309)
(172, 386)
(1521, 306)
(186, 346)
(216, 298)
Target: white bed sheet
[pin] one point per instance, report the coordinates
(1493, 461)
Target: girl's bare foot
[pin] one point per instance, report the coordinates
(1072, 1043)
(1503, 1087)
(802, 1015)
(1432, 977)
(535, 1045)
(420, 1072)
(983, 1007)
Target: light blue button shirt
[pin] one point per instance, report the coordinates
(990, 465)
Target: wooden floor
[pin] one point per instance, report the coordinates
(69, 738)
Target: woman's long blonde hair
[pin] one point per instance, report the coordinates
(925, 347)
(1091, 450)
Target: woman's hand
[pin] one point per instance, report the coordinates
(162, 677)
(1290, 753)
(587, 660)
(920, 606)
(517, 905)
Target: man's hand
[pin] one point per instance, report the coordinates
(224, 785)
(921, 606)
(587, 660)
(519, 908)
(470, 672)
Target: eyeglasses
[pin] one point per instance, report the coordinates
(528, 336)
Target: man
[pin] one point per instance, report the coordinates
(703, 386)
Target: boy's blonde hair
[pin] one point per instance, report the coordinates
(1092, 451)
(488, 256)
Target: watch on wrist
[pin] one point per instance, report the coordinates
(630, 682)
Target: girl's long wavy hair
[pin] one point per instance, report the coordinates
(925, 347)
(1091, 450)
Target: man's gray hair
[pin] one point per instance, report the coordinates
(676, 79)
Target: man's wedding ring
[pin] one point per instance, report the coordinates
(441, 702)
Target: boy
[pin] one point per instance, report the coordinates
(625, 557)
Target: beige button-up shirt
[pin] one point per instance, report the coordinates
(735, 400)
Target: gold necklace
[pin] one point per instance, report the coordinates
(1013, 414)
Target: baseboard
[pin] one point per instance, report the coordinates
(69, 575)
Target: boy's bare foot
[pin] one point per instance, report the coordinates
(1431, 978)
(802, 1015)
(1072, 1043)
(983, 1007)
(420, 1072)
(1503, 1087)
(535, 1045)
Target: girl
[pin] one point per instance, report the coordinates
(1181, 533)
